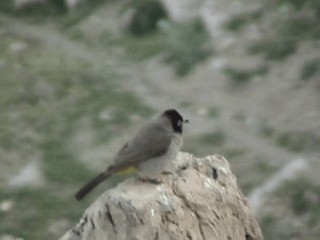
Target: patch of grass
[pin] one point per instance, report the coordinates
(146, 16)
(186, 104)
(214, 112)
(263, 167)
(35, 10)
(241, 76)
(46, 94)
(299, 199)
(143, 47)
(35, 210)
(85, 8)
(310, 69)
(274, 49)
(206, 142)
(267, 222)
(262, 170)
(267, 131)
(298, 141)
(299, 28)
(294, 141)
(273, 229)
(237, 76)
(60, 167)
(287, 31)
(6, 6)
(231, 153)
(56, 10)
(238, 22)
(303, 197)
(186, 46)
(247, 186)
(53, 92)
(216, 138)
(299, 4)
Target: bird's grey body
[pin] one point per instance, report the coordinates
(151, 150)
(152, 168)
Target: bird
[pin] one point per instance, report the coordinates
(151, 151)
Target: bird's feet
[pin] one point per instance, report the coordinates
(151, 180)
(157, 178)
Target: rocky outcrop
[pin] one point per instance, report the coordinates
(201, 200)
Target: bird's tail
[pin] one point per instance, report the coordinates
(91, 185)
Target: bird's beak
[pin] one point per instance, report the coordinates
(185, 121)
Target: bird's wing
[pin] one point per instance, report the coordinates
(151, 141)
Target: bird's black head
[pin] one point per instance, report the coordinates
(176, 119)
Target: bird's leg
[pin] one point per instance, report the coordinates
(151, 180)
(167, 173)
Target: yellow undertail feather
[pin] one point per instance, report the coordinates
(126, 170)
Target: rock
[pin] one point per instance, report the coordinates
(30, 175)
(6, 205)
(200, 201)
(7, 237)
(58, 226)
(18, 47)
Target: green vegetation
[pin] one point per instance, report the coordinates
(183, 45)
(186, 104)
(293, 141)
(267, 223)
(186, 46)
(299, 4)
(289, 30)
(262, 169)
(298, 141)
(73, 91)
(35, 210)
(214, 112)
(303, 197)
(56, 10)
(146, 16)
(298, 28)
(216, 138)
(273, 49)
(300, 199)
(51, 7)
(310, 69)
(272, 229)
(214, 141)
(241, 76)
(237, 22)
(45, 93)
(143, 47)
(60, 165)
(231, 153)
(267, 131)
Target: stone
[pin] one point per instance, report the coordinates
(201, 200)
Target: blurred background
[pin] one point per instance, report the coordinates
(77, 78)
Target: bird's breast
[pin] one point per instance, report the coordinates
(154, 166)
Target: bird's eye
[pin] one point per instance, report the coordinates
(179, 123)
